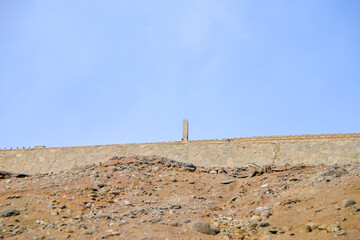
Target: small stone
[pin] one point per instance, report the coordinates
(233, 199)
(173, 179)
(263, 224)
(14, 197)
(342, 233)
(305, 229)
(256, 218)
(9, 213)
(313, 226)
(186, 221)
(175, 224)
(238, 231)
(265, 214)
(262, 209)
(322, 227)
(100, 184)
(250, 226)
(190, 168)
(228, 181)
(348, 202)
(68, 230)
(333, 228)
(204, 227)
(275, 230)
(88, 205)
(154, 220)
(176, 206)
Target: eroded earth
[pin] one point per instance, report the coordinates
(150, 197)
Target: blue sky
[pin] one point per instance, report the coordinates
(107, 72)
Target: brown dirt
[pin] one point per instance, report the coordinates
(149, 197)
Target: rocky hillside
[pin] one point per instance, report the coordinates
(149, 197)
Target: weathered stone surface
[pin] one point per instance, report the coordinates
(9, 213)
(348, 202)
(203, 227)
(333, 228)
(228, 181)
(306, 149)
(305, 229)
(313, 226)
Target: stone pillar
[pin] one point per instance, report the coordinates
(185, 131)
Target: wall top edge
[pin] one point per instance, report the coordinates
(338, 136)
(288, 138)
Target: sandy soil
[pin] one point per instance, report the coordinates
(149, 197)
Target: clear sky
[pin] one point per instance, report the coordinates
(105, 72)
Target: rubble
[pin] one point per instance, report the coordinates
(151, 197)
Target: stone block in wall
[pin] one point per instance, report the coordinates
(253, 152)
(320, 152)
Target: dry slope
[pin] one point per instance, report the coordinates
(149, 197)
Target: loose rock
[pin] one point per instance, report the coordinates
(204, 227)
(348, 202)
(9, 213)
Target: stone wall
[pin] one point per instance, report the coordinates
(278, 150)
